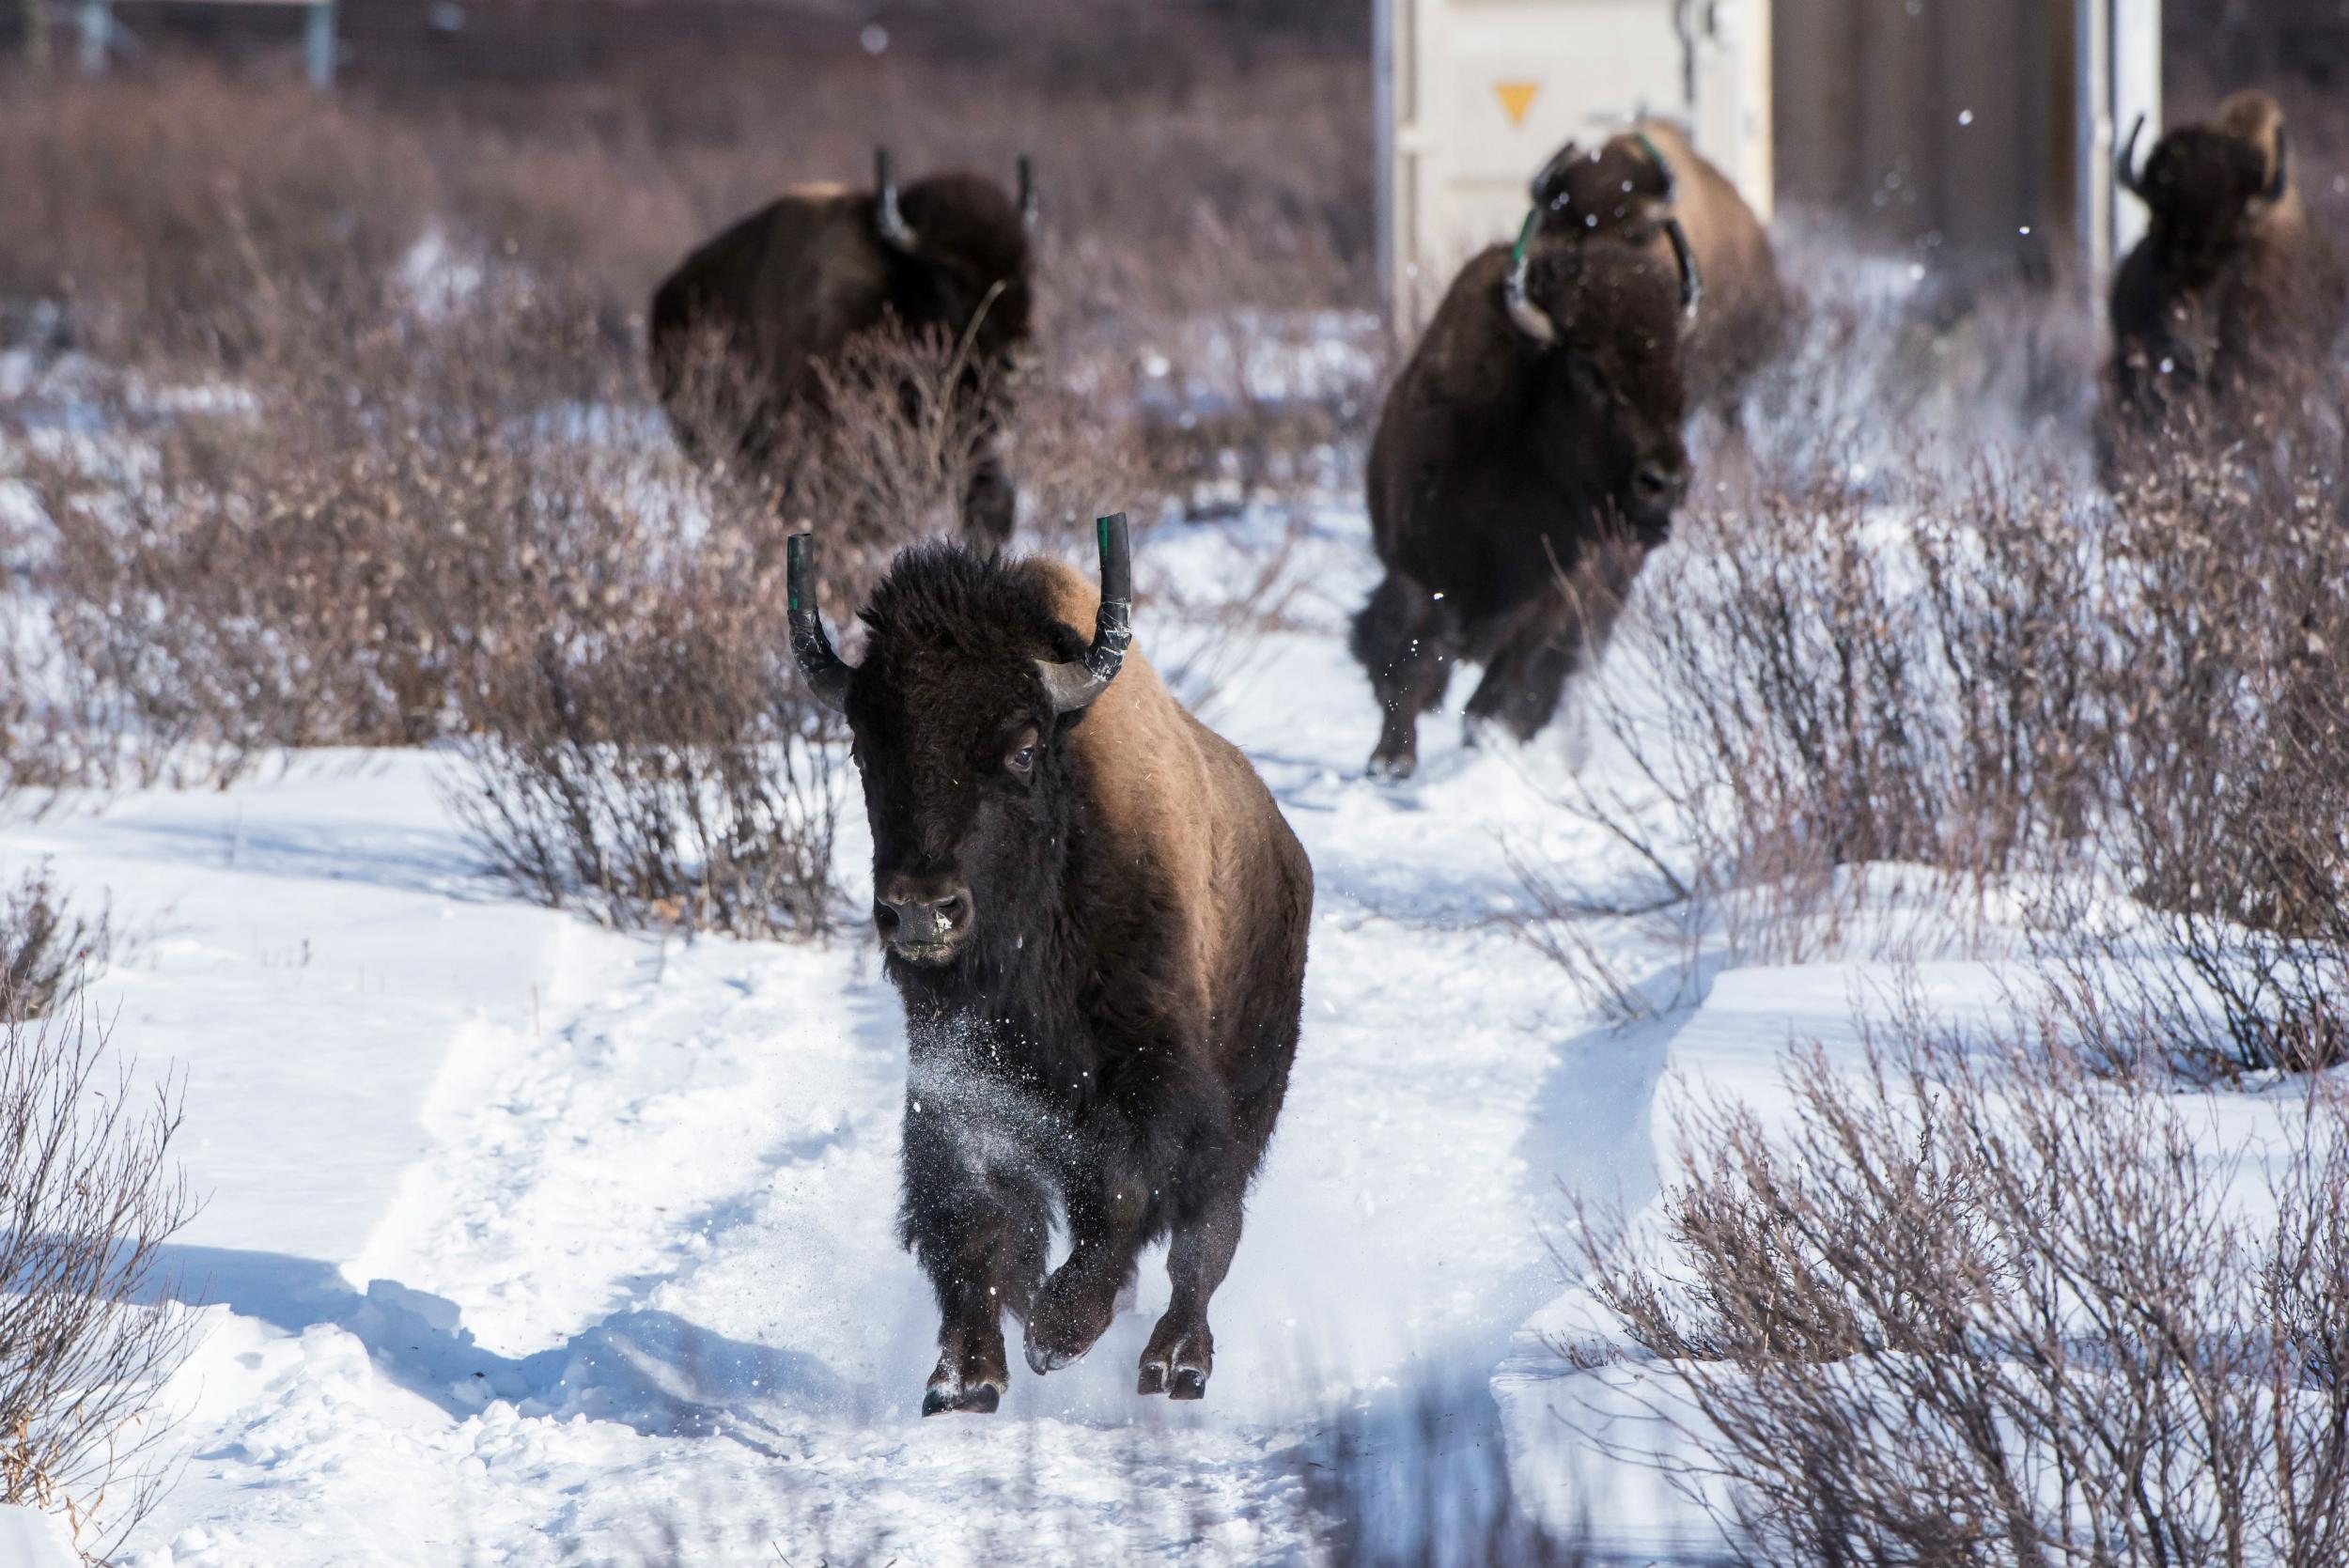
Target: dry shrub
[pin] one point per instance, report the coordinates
(650, 754)
(1818, 683)
(320, 563)
(1976, 1305)
(186, 214)
(45, 949)
(1998, 679)
(91, 1198)
(2225, 766)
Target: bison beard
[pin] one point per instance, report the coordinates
(1096, 919)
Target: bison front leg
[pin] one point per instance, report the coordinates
(1181, 1353)
(1403, 638)
(980, 1237)
(1108, 1221)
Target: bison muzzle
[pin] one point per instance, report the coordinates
(1096, 919)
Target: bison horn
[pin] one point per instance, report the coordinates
(2281, 176)
(2125, 166)
(1027, 192)
(1075, 684)
(1524, 314)
(1691, 278)
(895, 231)
(825, 673)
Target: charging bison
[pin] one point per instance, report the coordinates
(1096, 919)
(1650, 188)
(782, 289)
(1534, 432)
(2235, 295)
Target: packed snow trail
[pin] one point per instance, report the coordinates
(532, 1243)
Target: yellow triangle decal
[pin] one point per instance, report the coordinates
(1517, 98)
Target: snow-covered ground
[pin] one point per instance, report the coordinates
(531, 1243)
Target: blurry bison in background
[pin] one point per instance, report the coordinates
(2234, 297)
(1649, 188)
(781, 291)
(1527, 460)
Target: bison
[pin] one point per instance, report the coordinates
(1535, 429)
(1648, 187)
(2235, 293)
(782, 289)
(1095, 917)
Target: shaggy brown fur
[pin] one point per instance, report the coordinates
(2236, 297)
(783, 288)
(1617, 191)
(1105, 1028)
(1503, 465)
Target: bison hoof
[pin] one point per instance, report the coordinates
(979, 1399)
(1177, 1360)
(1384, 766)
(1071, 1313)
(1186, 1382)
(1041, 1360)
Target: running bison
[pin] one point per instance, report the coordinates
(2235, 293)
(784, 288)
(1096, 919)
(1649, 188)
(1536, 431)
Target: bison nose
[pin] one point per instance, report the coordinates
(919, 911)
(1658, 486)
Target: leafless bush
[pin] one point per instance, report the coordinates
(45, 949)
(1812, 683)
(91, 1198)
(1973, 1304)
(651, 756)
(187, 215)
(2224, 770)
(317, 557)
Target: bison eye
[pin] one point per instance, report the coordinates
(1021, 760)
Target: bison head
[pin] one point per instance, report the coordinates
(2206, 190)
(1609, 318)
(959, 253)
(969, 683)
(1622, 190)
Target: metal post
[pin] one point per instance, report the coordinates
(318, 44)
(2135, 90)
(98, 26)
(1382, 127)
(2092, 127)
